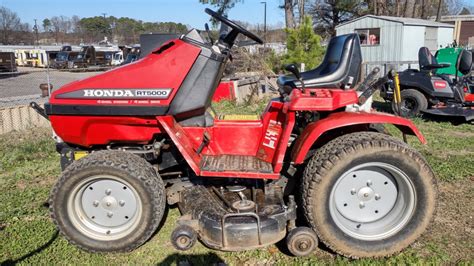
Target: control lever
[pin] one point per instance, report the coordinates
(368, 86)
(295, 71)
(205, 141)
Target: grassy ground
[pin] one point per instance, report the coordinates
(29, 167)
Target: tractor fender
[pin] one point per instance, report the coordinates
(342, 120)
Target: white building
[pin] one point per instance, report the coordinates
(395, 39)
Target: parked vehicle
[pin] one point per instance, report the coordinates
(117, 58)
(37, 58)
(64, 57)
(7, 62)
(129, 146)
(133, 55)
(427, 91)
(86, 57)
(21, 56)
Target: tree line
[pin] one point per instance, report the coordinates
(75, 30)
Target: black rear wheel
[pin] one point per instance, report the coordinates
(367, 194)
(412, 104)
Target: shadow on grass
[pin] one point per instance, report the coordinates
(210, 258)
(33, 252)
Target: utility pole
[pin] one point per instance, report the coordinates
(264, 21)
(438, 14)
(35, 28)
(105, 19)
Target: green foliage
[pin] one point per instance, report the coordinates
(303, 45)
(274, 61)
(222, 5)
(95, 26)
(46, 24)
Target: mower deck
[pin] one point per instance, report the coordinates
(225, 228)
(467, 114)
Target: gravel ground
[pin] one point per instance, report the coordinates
(27, 82)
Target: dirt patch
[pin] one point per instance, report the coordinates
(453, 229)
(449, 153)
(462, 134)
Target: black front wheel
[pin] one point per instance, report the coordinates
(412, 104)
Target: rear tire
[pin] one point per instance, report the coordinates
(109, 201)
(412, 104)
(367, 194)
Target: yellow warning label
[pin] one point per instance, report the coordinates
(79, 154)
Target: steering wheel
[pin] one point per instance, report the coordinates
(233, 25)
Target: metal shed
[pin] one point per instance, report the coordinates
(395, 39)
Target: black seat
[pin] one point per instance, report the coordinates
(340, 67)
(427, 61)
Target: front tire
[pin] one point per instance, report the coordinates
(412, 104)
(109, 201)
(367, 194)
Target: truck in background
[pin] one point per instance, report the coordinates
(7, 62)
(67, 53)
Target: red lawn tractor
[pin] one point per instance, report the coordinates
(140, 137)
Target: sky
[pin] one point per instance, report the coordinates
(188, 12)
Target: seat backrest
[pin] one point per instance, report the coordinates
(335, 54)
(341, 63)
(425, 58)
(464, 62)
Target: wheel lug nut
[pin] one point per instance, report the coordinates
(369, 183)
(366, 195)
(110, 214)
(377, 196)
(95, 203)
(121, 203)
(361, 205)
(108, 204)
(108, 191)
(353, 191)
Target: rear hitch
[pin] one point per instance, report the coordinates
(39, 110)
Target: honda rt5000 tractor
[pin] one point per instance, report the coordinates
(139, 137)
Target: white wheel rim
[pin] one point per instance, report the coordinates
(372, 201)
(104, 207)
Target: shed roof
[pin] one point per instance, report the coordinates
(404, 21)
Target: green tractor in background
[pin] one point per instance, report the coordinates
(449, 55)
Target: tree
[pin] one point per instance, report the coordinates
(96, 28)
(303, 45)
(222, 5)
(46, 24)
(9, 22)
(330, 13)
(289, 15)
(61, 26)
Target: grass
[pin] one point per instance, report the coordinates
(29, 167)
